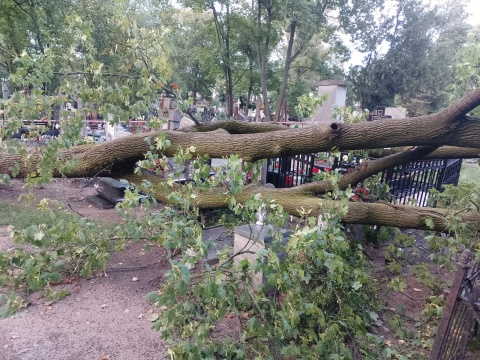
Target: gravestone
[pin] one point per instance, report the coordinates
(384, 112)
(251, 239)
(109, 193)
(377, 114)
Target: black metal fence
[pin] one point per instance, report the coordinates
(409, 183)
(460, 312)
(290, 171)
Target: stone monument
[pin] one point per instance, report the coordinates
(337, 96)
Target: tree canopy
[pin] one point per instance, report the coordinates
(415, 71)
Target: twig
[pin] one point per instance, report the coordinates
(194, 119)
(89, 180)
(7, 52)
(413, 298)
(242, 251)
(235, 255)
(91, 73)
(133, 268)
(256, 305)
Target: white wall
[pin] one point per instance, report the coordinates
(337, 97)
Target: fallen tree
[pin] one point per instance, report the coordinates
(449, 133)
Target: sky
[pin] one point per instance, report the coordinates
(474, 9)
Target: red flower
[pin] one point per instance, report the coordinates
(289, 180)
(363, 191)
(328, 169)
(315, 170)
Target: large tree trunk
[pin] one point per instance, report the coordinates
(428, 136)
(448, 127)
(379, 213)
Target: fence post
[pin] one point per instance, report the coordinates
(448, 311)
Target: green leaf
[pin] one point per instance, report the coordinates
(429, 222)
(356, 285)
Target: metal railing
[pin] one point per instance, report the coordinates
(409, 183)
(460, 312)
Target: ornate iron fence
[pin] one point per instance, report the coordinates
(460, 312)
(409, 183)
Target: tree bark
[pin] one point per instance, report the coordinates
(223, 35)
(286, 70)
(448, 127)
(263, 45)
(379, 213)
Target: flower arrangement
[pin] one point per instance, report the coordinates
(361, 194)
(322, 158)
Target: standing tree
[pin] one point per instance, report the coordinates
(417, 68)
(193, 53)
(305, 19)
(467, 66)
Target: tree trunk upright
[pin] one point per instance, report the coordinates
(288, 63)
(263, 45)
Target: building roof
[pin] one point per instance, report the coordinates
(331, 82)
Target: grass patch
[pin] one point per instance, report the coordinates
(470, 173)
(24, 216)
(21, 217)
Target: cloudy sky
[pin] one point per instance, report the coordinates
(474, 10)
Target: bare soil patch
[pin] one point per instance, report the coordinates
(105, 317)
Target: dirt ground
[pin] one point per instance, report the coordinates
(108, 317)
(105, 317)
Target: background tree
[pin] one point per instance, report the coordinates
(422, 42)
(467, 66)
(308, 18)
(193, 53)
(316, 62)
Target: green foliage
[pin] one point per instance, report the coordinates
(349, 115)
(10, 304)
(307, 104)
(467, 67)
(48, 245)
(422, 41)
(316, 296)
